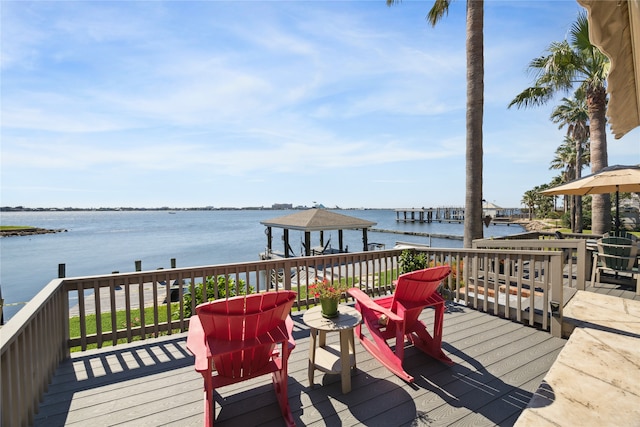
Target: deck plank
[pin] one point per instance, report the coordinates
(498, 366)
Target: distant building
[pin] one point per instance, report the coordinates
(491, 209)
(282, 206)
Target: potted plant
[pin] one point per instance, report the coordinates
(329, 295)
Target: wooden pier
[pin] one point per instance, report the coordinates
(417, 233)
(453, 215)
(428, 215)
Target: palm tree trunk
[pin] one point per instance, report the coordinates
(600, 203)
(578, 199)
(475, 110)
(572, 213)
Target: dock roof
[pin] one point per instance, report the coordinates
(318, 220)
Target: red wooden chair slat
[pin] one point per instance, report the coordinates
(237, 337)
(396, 318)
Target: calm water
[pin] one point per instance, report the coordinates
(103, 242)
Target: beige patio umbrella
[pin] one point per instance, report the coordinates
(612, 179)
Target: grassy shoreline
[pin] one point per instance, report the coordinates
(25, 230)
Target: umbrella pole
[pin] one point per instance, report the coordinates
(617, 210)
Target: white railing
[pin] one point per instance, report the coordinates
(524, 285)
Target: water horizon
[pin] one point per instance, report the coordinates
(101, 242)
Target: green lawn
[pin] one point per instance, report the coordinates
(121, 323)
(568, 230)
(14, 227)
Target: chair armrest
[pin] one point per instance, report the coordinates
(365, 301)
(197, 345)
(616, 256)
(289, 324)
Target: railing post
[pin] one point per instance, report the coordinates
(583, 266)
(557, 299)
(287, 277)
(66, 333)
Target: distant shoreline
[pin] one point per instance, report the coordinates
(536, 225)
(167, 209)
(27, 231)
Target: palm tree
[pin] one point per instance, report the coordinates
(557, 180)
(565, 160)
(577, 62)
(545, 203)
(529, 200)
(475, 110)
(573, 113)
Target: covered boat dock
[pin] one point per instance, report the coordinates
(319, 220)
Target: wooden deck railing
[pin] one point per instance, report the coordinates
(574, 251)
(32, 345)
(524, 285)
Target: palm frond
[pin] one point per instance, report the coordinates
(440, 8)
(532, 96)
(579, 33)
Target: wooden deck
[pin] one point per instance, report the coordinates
(625, 289)
(499, 364)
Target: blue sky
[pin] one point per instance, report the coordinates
(209, 103)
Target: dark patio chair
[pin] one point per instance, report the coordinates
(616, 255)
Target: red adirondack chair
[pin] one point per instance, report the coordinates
(238, 337)
(396, 316)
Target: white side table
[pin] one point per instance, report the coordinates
(332, 359)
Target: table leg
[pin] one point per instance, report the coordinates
(345, 361)
(312, 355)
(353, 347)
